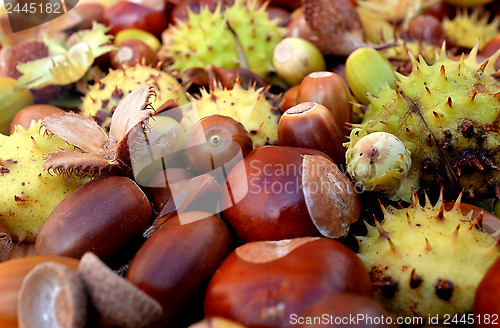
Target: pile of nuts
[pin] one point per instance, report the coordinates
(270, 241)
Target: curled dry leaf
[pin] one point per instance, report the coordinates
(101, 153)
(52, 295)
(118, 302)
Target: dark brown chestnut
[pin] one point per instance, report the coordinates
(262, 284)
(130, 52)
(280, 192)
(101, 216)
(179, 258)
(33, 112)
(312, 125)
(216, 141)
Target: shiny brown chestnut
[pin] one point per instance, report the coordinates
(130, 52)
(33, 112)
(262, 284)
(216, 141)
(280, 192)
(289, 98)
(487, 300)
(101, 216)
(334, 310)
(179, 258)
(312, 125)
(330, 90)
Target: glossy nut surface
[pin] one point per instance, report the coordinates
(330, 90)
(261, 284)
(312, 125)
(216, 141)
(179, 258)
(100, 216)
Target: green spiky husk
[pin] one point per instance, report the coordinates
(426, 261)
(466, 30)
(248, 106)
(205, 38)
(29, 193)
(447, 114)
(103, 97)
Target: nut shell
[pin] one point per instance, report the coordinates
(259, 293)
(179, 258)
(12, 273)
(101, 216)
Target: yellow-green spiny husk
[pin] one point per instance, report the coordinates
(426, 261)
(206, 39)
(29, 193)
(248, 106)
(103, 97)
(447, 115)
(466, 29)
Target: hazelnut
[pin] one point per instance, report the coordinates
(330, 90)
(130, 52)
(312, 125)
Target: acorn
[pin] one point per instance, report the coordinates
(367, 71)
(294, 58)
